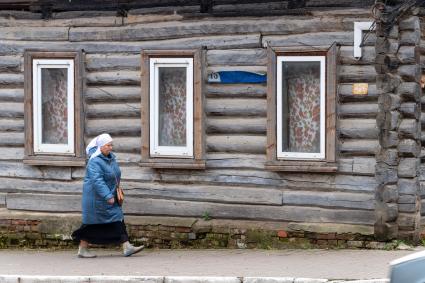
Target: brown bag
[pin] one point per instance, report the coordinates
(120, 196)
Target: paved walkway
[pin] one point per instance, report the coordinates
(328, 264)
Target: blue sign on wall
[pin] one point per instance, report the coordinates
(235, 77)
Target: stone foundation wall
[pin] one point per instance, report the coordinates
(38, 230)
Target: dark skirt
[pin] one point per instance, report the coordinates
(102, 234)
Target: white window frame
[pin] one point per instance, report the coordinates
(301, 155)
(43, 148)
(170, 151)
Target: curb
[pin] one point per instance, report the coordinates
(170, 279)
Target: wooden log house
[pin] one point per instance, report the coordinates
(327, 152)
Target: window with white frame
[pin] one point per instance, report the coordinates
(54, 118)
(172, 113)
(171, 107)
(53, 106)
(301, 107)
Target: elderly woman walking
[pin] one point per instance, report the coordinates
(103, 219)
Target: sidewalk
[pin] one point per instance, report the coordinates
(229, 265)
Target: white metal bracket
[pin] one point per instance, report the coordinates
(359, 27)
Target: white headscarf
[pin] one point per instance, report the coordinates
(98, 141)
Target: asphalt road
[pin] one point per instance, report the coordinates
(329, 264)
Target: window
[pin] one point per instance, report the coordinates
(53, 122)
(172, 116)
(301, 110)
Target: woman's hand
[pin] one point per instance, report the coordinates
(111, 201)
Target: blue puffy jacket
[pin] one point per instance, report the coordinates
(102, 175)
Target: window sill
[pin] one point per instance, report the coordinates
(174, 164)
(302, 166)
(54, 160)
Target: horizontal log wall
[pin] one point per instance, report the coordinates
(235, 184)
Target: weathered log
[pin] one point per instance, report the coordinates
(18, 169)
(77, 21)
(11, 110)
(114, 78)
(409, 128)
(12, 125)
(145, 206)
(236, 107)
(236, 91)
(358, 128)
(221, 194)
(347, 56)
(105, 62)
(237, 57)
(312, 39)
(236, 125)
(134, 18)
(346, 93)
(11, 139)
(357, 110)
(11, 64)
(352, 73)
(358, 147)
(9, 80)
(249, 68)
(175, 29)
(12, 153)
(409, 110)
(409, 91)
(410, 73)
(113, 93)
(34, 33)
(243, 161)
(12, 95)
(115, 127)
(246, 144)
(330, 200)
(211, 42)
(107, 110)
(124, 144)
(408, 54)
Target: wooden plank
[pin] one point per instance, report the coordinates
(237, 57)
(124, 144)
(211, 42)
(364, 166)
(360, 147)
(330, 182)
(358, 110)
(346, 93)
(221, 194)
(78, 21)
(107, 62)
(330, 199)
(235, 126)
(11, 110)
(199, 77)
(43, 202)
(110, 110)
(234, 161)
(40, 186)
(234, 143)
(368, 56)
(2, 200)
(249, 68)
(358, 128)
(169, 30)
(11, 153)
(115, 127)
(17, 169)
(11, 80)
(309, 39)
(236, 91)
(11, 139)
(34, 33)
(113, 93)
(145, 111)
(236, 107)
(361, 74)
(122, 77)
(11, 64)
(144, 206)
(12, 125)
(331, 93)
(12, 95)
(271, 154)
